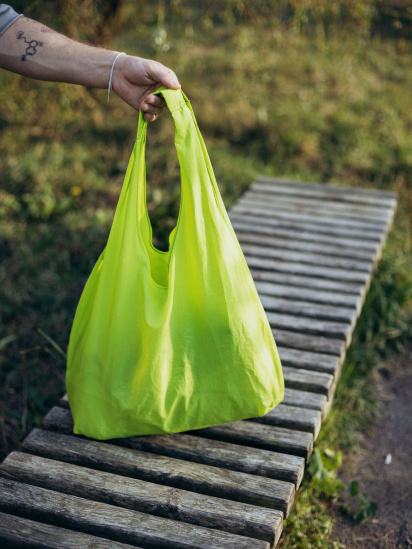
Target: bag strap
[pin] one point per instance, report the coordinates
(175, 100)
(199, 190)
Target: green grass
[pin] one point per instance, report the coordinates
(268, 100)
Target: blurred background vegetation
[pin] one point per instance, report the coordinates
(318, 90)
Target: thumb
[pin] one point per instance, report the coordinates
(164, 76)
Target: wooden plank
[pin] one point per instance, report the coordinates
(356, 212)
(308, 325)
(293, 417)
(306, 342)
(22, 532)
(305, 399)
(307, 380)
(306, 258)
(308, 309)
(306, 270)
(246, 224)
(351, 290)
(310, 295)
(248, 433)
(254, 215)
(254, 207)
(117, 523)
(223, 454)
(351, 211)
(196, 477)
(309, 361)
(219, 454)
(329, 250)
(310, 191)
(326, 188)
(163, 501)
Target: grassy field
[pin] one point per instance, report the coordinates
(270, 98)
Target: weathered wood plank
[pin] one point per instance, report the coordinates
(342, 209)
(307, 360)
(219, 454)
(293, 417)
(254, 207)
(197, 477)
(306, 342)
(351, 290)
(248, 433)
(307, 380)
(223, 454)
(119, 524)
(22, 532)
(310, 325)
(279, 243)
(305, 399)
(306, 270)
(308, 295)
(163, 501)
(254, 215)
(253, 225)
(326, 192)
(326, 187)
(306, 258)
(308, 309)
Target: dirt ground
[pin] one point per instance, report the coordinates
(389, 485)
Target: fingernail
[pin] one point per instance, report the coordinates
(175, 83)
(144, 107)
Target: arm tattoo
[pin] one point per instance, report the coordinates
(32, 45)
(46, 29)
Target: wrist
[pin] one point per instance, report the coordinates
(120, 62)
(110, 85)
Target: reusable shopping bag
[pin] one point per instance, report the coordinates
(164, 342)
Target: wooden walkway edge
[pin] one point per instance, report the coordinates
(312, 250)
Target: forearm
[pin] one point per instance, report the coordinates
(31, 49)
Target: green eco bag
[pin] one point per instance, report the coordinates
(164, 342)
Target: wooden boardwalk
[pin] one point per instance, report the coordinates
(311, 249)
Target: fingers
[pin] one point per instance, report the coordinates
(155, 101)
(149, 109)
(163, 75)
(152, 106)
(150, 117)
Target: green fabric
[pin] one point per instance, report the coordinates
(165, 342)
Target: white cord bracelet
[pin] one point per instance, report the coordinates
(111, 75)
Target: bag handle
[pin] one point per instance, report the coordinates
(175, 100)
(197, 181)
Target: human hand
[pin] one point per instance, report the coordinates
(135, 79)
